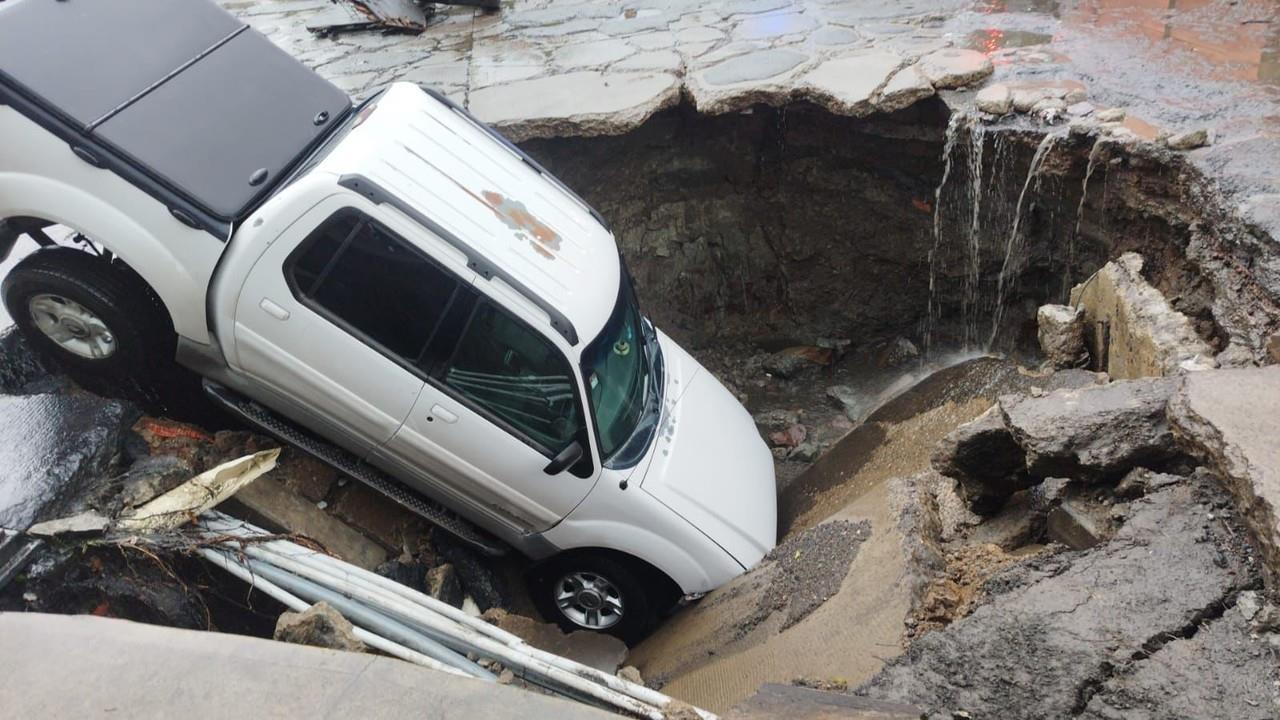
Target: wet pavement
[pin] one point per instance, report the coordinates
(601, 66)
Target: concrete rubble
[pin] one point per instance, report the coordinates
(1134, 332)
(318, 626)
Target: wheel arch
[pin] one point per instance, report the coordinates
(177, 271)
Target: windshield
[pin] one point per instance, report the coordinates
(616, 368)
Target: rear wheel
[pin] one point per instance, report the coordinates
(92, 318)
(598, 591)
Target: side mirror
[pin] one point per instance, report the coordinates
(567, 458)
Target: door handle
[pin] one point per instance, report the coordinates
(273, 309)
(445, 416)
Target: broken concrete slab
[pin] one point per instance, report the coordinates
(1224, 670)
(1144, 336)
(1033, 649)
(995, 99)
(1230, 419)
(1097, 432)
(738, 82)
(848, 84)
(580, 103)
(907, 87)
(318, 626)
(115, 663)
(955, 67)
(269, 503)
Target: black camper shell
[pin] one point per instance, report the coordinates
(178, 97)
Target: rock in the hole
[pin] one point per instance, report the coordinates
(443, 584)
(793, 361)
(1096, 432)
(1230, 420)
(320, 626)
(790, 437)
(995, 99)
(1188, 140)
(144, 480)
(954, 67)
(478, 578)
(1076, 525)
(896, 353)
(631, 674)
(1140, 481)
(984, 458)
(849, 399)
(774, 420)
(1061, 334)
(807, 451)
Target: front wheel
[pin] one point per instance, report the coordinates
(92, 318)
(596, 591)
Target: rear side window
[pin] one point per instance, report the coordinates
(519, 377)
(374, 283)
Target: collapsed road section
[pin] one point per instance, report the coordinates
(1011, 345)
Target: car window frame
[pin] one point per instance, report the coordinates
(437, 354)
(428, 354)
(586, 467)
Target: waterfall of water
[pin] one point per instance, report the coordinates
(972, 278)
(957, 121)
(1013, 246)
(1095, 154)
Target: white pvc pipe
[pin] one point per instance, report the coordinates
(297, 604)
(351, 575)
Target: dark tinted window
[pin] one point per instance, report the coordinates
(374, 282)
(519, 376)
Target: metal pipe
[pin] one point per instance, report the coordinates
(474, 634)
(297, 604)
(366, 616)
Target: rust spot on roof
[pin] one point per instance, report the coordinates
(516, 216)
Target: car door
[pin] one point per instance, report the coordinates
(493, 414)
(332, 319)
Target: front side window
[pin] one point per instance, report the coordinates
(373, 282)
(519, 377)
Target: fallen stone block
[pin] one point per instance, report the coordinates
(319, 626)
(985, 459)
(269, 503)
(802, 703)
(1061, 335)
(794, 361)
(995, 99)
(1076, 526)
(1230, 420)
(1098, 432)
(1133, 330)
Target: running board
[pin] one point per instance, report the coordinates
(344, 462)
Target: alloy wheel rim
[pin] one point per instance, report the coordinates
(72, 326)
(589, 600)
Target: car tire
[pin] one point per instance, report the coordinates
(566, 588)
(91, 318)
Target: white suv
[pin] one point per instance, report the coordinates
(394, 288)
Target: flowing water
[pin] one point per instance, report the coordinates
(1095, 153)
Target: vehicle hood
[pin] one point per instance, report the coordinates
(710, 465)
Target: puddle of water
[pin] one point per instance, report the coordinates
(990, 40)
